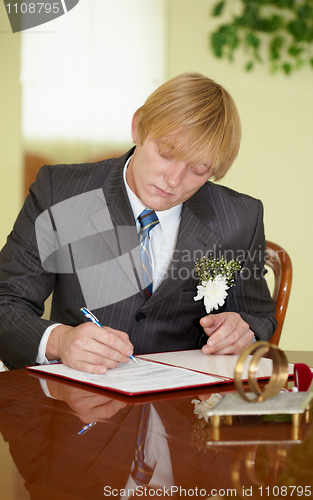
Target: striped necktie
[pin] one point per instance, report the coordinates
(142, 473)
(148, 220)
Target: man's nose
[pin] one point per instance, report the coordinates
(175, 173)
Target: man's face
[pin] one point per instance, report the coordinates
(160, 181)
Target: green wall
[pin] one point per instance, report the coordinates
(275, 160)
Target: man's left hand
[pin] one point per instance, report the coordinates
(228, 333)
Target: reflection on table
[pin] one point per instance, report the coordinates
(41, 419)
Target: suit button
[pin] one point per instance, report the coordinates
(140, 316)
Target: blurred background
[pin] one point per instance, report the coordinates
(69, 89)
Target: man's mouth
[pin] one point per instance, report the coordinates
(163, 193)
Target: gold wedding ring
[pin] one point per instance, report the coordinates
(277, 380)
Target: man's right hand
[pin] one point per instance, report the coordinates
(88, 347)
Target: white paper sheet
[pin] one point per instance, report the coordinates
(215, 364)
(133, 379)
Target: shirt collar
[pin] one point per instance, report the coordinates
(168, 218)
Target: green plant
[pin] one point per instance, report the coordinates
(279, 31)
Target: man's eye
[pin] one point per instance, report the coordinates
(165, 155)
(199, 169)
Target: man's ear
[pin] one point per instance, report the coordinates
(134, 127)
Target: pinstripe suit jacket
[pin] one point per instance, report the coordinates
(214, 220)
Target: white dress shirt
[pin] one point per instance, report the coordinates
(162, 237)
(157, 456)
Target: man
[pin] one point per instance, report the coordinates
(77, 235)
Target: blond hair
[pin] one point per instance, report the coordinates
(197, 118)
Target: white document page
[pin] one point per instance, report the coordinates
(222, 365)
(131, 378)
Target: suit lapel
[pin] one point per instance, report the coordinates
(123, 238)
(115, 193)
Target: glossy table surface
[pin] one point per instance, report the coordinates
(43, 457)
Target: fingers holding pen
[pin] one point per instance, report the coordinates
(89, 348)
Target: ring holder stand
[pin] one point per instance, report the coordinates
(296, 404)
(270, 401)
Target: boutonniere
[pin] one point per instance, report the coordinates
(216, 277)
(201, 431)
(202, 407)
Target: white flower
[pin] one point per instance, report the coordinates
(202, 407)
(213, 292)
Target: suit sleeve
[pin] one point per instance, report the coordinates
(250, 296)
(24, 284)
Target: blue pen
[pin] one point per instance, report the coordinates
(95, 320)
(86, 428)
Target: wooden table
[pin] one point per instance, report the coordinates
(43, 457)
